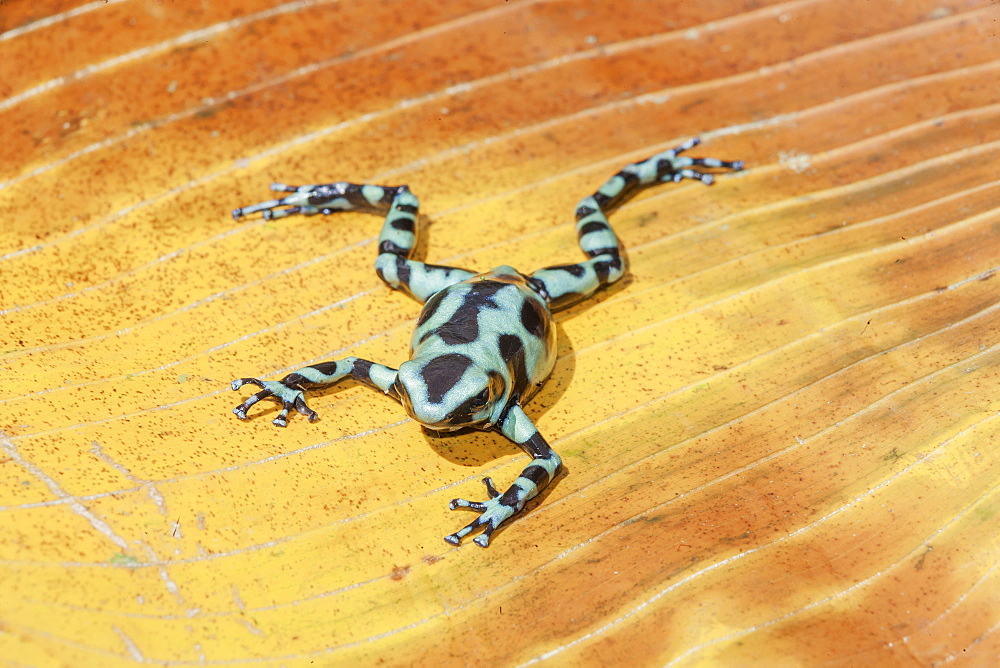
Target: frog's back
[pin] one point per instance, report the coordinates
(496, 320)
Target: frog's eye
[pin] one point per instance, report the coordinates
(479, 401)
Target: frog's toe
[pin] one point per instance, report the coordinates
(240, 382)
(241, 410)
(476, 505)
(282, 419)
(456, 538)
(303, 409)
(455, 504)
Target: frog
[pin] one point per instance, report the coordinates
(484, 343)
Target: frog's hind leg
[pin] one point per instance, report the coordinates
(396, 203)
(393, 264)
(566, 284)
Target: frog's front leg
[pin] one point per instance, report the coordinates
(291, 390)
(395, 244)
(536, 476)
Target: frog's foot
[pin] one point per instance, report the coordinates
(325, 198)
(492, 513)
(304, 200)
(289, 397)
(680, 166)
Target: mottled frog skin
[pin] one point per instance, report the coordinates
(484, 343)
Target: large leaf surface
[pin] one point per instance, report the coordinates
(780, 431)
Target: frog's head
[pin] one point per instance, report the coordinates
(449, 392)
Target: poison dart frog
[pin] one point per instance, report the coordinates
(483, 343)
